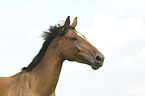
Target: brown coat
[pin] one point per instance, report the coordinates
(43, 78)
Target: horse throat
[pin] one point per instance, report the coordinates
(46, 73)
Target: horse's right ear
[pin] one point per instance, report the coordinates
(67, 23)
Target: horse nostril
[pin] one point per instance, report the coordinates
(98, 58)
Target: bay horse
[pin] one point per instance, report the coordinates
(40, 77)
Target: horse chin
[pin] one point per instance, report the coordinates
(94, 67)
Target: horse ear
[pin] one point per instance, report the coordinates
(67, 23)
(74, 24)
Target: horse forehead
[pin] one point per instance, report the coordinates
(71, 32)
(74, 33)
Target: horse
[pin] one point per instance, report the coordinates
(40, 77)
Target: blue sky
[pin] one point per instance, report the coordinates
(115, 27)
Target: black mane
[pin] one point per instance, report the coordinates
(48, 36)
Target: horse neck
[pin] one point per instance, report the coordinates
(46, 73)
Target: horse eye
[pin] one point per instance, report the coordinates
(73, 38)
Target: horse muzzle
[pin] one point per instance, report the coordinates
(98, 62)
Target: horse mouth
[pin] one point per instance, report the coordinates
(89, 59)
(95, 66)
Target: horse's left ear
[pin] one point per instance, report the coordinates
(67, 23)
(65, 26)
(74, 24)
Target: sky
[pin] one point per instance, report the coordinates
(115, 27)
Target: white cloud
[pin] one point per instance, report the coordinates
(133, 4)
(109, 31)
(34, 5)
(133, 62)
(73, 66)
(137, 89)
